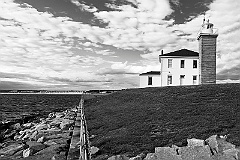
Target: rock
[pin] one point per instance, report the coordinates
(10, 135)
(59, 115)
(11, 149)
(35, 146)
(66, 124)
(195, 153)
(27, 152)
(195, 142)
(26, 136)
(94, 150)
(118, 157)
(52, 149)
(51, 115)
(41, 139)
(167, 153)
(27, 125)
(151, 156)
(218, 145)
(56, 122)
(16, 126)
(33, 135)
(18, 154)
(136, 158)
(50, 143)
(62, 135)
(56, 141)
(41, 127)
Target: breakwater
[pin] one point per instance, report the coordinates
(213, 148)
(54, 137)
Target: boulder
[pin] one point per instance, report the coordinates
(27, 125)
(35, 146)
(27, 152)
(218, 145)
(56, 136)
(195, 142)
(195, 153)
(41, 139)
(151, 156)
(167, 153)
(59, 114)
(11, 149)
(52, 149)
(33, 135)
(66, 124)
(118, 157)
(136, 158)
(16, 126)
(56, 141)
(94, 150)
(41, 126)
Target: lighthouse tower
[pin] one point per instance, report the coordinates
(207, 53)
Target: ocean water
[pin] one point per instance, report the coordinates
(15, 106)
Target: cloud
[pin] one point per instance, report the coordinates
(84, 6)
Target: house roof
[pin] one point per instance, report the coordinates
(150, 73)
(182, 53)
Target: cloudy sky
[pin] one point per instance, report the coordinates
(105, 44)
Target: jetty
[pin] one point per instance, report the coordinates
(60, 136)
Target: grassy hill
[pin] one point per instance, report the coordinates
(138, 120)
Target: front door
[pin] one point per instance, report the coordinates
(182, 78)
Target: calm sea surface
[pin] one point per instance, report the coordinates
(15, 106)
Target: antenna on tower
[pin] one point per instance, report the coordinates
(204, 19)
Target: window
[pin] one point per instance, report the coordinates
(194, 79)
(194, 63)
(169, 63)
(149, 80)
(182, 63)
(169, 79)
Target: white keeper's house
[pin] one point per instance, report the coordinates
(186, 67)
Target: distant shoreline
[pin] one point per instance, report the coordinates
(43, 93)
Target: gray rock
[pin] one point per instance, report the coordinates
(41, 127)
(16, 126)
(66, 124)
(167, 153)
(195, 153)
(52, 149)
(136, 158)
(11, 149)
(57, 141)
(94, 150)
(27, 152)
(33, 135)
(56, 136)
(195, 142)
(151, 156)
(118, 157)
(41, 139)
(27, 125)
(219, 145)
(35, 146)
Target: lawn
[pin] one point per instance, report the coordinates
(136, 121)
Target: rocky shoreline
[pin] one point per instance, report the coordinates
(44, 138)
(213, 148)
